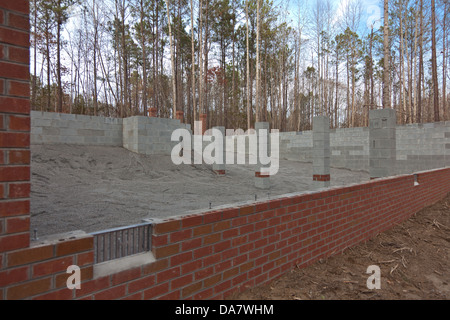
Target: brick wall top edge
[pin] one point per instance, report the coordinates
(60, 237)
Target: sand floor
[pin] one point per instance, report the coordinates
(94, 188)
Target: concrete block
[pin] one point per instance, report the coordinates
(50, 131)
(262, 183)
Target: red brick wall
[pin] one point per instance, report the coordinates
(214, 254)
(14, 127)
(203, 256)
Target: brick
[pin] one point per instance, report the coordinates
(62, 294)
(15, 275)
(168, 274)
(14, 105)
(125, 276)
(90, 286)
(191, 221)
(230, 213)
(166, 251)
(155, 266)
(209, 282)
(141, 284)
(14, 139)
(230, 273)
(201, 252)
(2, 192)
(2, 90)
(19, 123)
(14, 242)
(160, 240)
(15, 225)
(14, 208)
(181, 258)
(221, 246)
(74, 246)
(18, 21)
(29, 255)
(212, 217)
(18, 89)
(223, 266)
(19, 157)
(14, 37)
(180, 235)
(181, 282)
(222, 286)
(20, 55)
(171, 296)
(156, 291)
(246, 210)
(8, 174)
(52, 266)
(220, 226)
(19, 190)
(191, 266)
(205, 272)
(21, 6)
(85, 258)
(111, 294)
(211, 238)
(191, 289)
(165, 227)
(191, 244)
(28, 289)
(205, 229)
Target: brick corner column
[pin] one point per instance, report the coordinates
(321, 152)
(202, 117)
(152, 112)
(382, 143)
(180, 116)
(14, 127)
(262, 181)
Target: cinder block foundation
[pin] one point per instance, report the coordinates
(321, 152)
(382, 143)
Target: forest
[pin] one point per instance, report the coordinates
(242, 61)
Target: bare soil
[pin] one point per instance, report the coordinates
(413, 258)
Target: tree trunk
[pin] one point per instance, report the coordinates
(58, 56)
(258, 68)
(193, 63)
(434, 61)
(248, 69)
(419, 82)
(387, 58)
(174, 89)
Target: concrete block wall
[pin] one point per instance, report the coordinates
(423, 146)
(62, 128)
(138, 134)
(418, 147)
(382, 143)
(149, 135)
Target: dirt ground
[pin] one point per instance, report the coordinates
(414, 260)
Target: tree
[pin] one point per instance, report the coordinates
(387, 59)
(434, 62)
